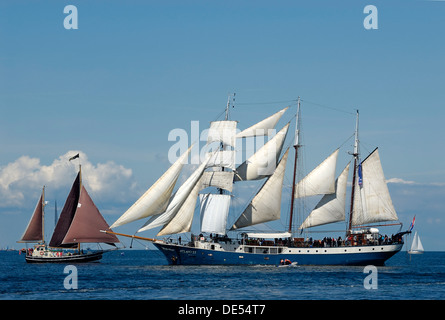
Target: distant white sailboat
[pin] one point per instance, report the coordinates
(416, 246)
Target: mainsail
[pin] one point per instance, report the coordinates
(66, 216)
(214, 212)
(87, 223)
(372, 201)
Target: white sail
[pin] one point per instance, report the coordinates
(262, 128)
(219, 179)
(155, 199)
(264, 161)
(176, 202)
(222, 131)
(266, 205)
(214, 212)
(182, 221)
(416, 246)
(221, 158)
(319, 181)
(331, 208)
(372, 201)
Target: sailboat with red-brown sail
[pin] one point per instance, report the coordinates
(80, 222)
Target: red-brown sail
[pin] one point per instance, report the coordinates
(66, 216)
(34, 230)
(87, 223)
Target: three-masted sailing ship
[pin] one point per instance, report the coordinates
(212, 182)
(80, 222)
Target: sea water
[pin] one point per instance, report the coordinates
(145, 275)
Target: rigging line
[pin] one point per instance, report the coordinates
(263, 103)
(341, 146)
(327, 107)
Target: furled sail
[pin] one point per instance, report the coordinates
(214, 212)
(262, 128)
(155, 199)
(331, 208)
(264, 161)
(372, 201)
(176, 201)
(87, 223)
(319, 181)
(266, 205)
(34, 230)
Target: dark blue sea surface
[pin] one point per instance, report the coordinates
(144, 275)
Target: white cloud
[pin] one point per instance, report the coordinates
(19, 180)
(400, 181)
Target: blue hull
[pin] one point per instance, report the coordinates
(366, 255)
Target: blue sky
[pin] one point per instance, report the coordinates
(133, 71)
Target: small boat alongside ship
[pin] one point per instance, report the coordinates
(80, 222)
(362, 244)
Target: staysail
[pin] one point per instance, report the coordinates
(331, 208)
(176, 201)
(266, 205)
(319, 181)
(263, 162)
(262, 128)
(155, 199)
(372, 201)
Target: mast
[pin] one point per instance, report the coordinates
(43, 214)
(230, 102)
(355, 154)
(296, 146)
(55, 213)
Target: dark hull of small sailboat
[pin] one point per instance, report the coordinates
(75, 258)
